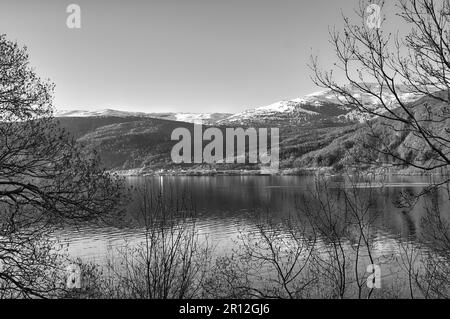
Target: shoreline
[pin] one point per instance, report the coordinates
(313, 171)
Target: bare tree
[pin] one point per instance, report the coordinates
(341, 216)
(270, 261)
(377, 63)
(46, 178)
(172, 259)
(433, 277)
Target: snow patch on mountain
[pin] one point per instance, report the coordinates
(320, 105)
(268, 112)
(93, 113)
(323, 104)
(196, 118)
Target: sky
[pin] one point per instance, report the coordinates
(175, 55)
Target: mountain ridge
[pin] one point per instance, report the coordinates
(197, 118)
(318, 106)
(322, 137)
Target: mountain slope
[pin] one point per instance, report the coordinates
(316, 108)
(320, 134)
(359, 144)
(198, 118)
(126, 142)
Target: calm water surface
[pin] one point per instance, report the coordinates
(227, 204)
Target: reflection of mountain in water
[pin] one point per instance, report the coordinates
(225, 204)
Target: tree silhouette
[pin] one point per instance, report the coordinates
(377, 63)
(46, 179)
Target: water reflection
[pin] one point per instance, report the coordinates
(227, 204)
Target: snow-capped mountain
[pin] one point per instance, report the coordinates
(288, 111)
(197, 118)
(321, 106)
(102, 113)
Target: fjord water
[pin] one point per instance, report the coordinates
(225, 205)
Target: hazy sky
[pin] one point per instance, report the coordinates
(175, 55)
